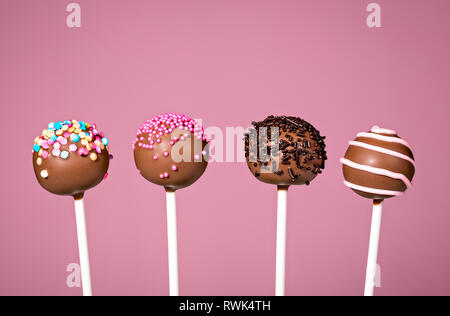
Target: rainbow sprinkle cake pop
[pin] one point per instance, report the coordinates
(70, 157)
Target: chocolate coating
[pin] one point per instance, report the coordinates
(160, 157)
(72, 176)
(383, 169)
(300, 156)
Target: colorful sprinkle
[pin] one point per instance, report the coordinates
(73, 147)
(87, 140)
(62, 140)
(93, 156)
(36, 148)
(39, 161)
(83, 152)
(105, 141)
(44, 174)
(56, 152)
(75, 138)
(174, 168)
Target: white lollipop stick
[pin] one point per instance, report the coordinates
(173, 243)
(281, 242)
(373, 248)
(83, 246)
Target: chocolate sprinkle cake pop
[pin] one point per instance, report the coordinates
(299, 157)
(70, 157)
(378, 164)
(159, 151)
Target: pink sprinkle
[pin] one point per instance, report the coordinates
(99, 150)
(56, 152)
(204, 153)
(83, 152)
(106, 176)
(155, 157)
(158, 140)
(50, 142)
(45, 145)
(174, 168)
(161, 176)
(140, 145)
(66, 134)
(166, 154)
(45, 154)
(73, 148)
(57, 145)
(196, 157)
(171, 143)
(166, 174)
(139, 172)
(62, 140)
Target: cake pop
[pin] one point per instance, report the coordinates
(159, 151)
(284, 151)
(297, 156)
(69, 158)
(377, 165)
(171, 150)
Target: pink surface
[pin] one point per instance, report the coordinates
(227, 62)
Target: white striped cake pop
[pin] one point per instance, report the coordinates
(378, 164)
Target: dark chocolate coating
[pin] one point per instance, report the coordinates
(187, 171)
(372, 158)
(301, 155)
(72, 176)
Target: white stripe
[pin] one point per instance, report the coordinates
(372, 190)
(383, 151)
(377, 129)
(388, 139)
(377, 171)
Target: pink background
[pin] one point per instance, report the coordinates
(228, 62)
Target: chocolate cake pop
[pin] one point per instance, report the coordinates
(378, 164)
(70, 157)
(299, 157)
(171, 150)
